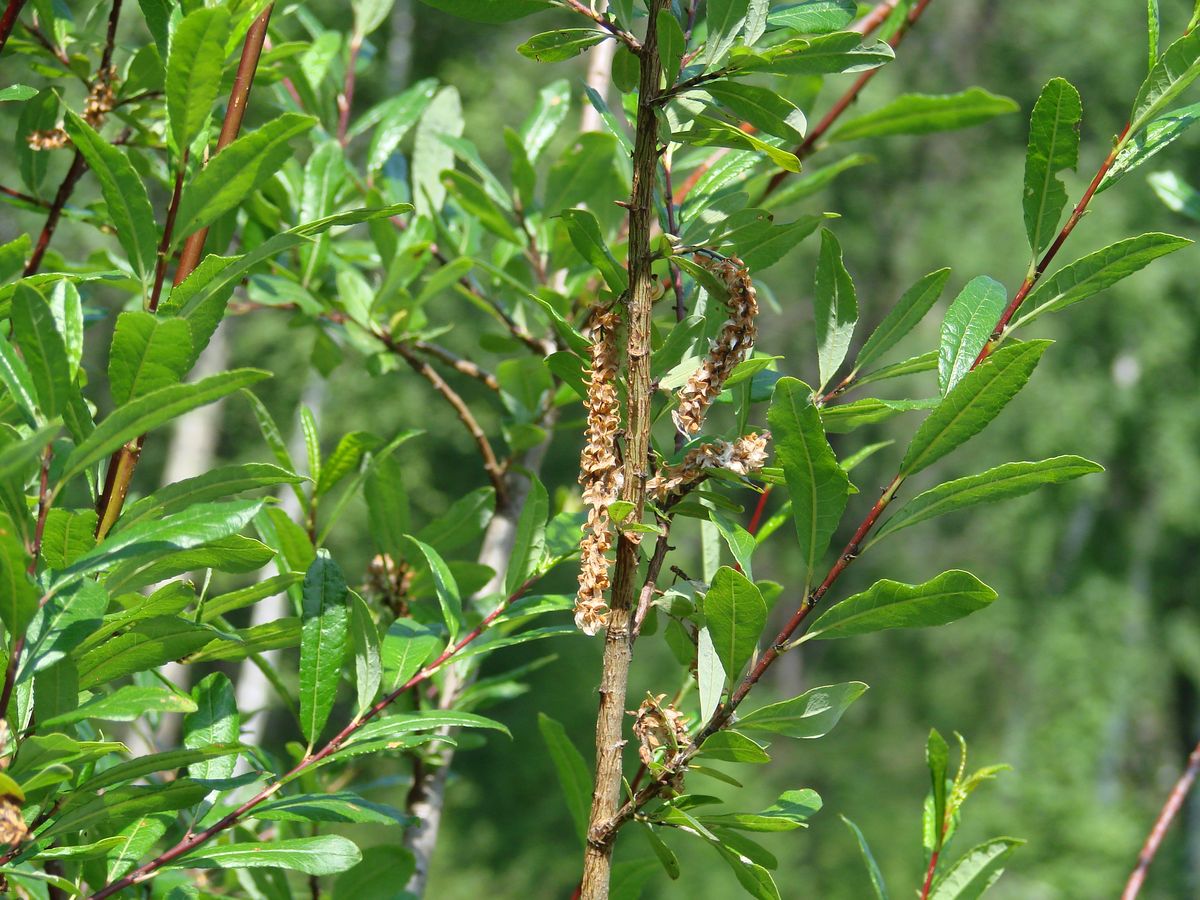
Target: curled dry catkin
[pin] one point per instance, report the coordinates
(599, 474)
(732, 345)
(746, 455)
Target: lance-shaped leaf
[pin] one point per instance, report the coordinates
(395, 117)
(968, 325)
(710, 674)
(671, 46)
(124, 194)
(19, 381)
(489, 11)
(903, 317)
(154, 409)
(406, 647)
(813, 16)
(836, 310)
(811, 715)
(735, 613)
(214, 721)
(34, 327)
(147, 353)
(873, 872)
(126, 704)
(445, 585)
(236, 172)
(18, 594)
(976, 871)
(325, 854)
(818, 486)
(846, 417)
(145, 645)
(60, 625)
(1000, 483)
(706, 131)
(972, 404)
(194, 66)
(555, 46)
(764, 109)
(529, 545)
(1177, 68)
(841, 52)
(725, 21)
(325, 638)
(1053, 146)
(1097, 272)
(573, 775)
(341, 806)
(925, 114)
(223, 481)
(368, 663)
(431, 155)
(937, 758)
(127, 803)
(584, 231)
(1150, 141)
(475, 201)
(890, 604)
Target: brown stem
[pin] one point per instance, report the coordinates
(235, 110)
(1165, 817)
(346, 97)
(24, 198)
(650, 584)
(491, 464)
(843, 103)
(606, 797)
(195, 839)
(8, 20)
(672, 226)
(456, 362)
(876, 17)
(604, 22)
(164, 245)
(61, 196)
(42, 510)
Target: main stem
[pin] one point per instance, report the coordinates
(597, 861)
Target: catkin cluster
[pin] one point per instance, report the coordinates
(746, 455)
(599, 474)
(100, 102)
(732, 345)
(657, 724)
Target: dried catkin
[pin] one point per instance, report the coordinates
(658, 725)
(599, 474)
(100, 102)
(732, 345)
(746, 455)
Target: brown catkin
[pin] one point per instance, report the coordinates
(599, 474)
(746, 455)
(732, 345)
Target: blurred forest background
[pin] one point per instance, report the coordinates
(1084, 676)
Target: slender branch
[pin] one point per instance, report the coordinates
(606, 797)
(672, 226)
(195, 839)
(8, 20)
(604, 22)
(1165, 817)
(43, 509)
(346, 97)
(24, 198)
(54, 50)
(61, 196)
(875, 17)
(235, 110)
(843, 103)
(456, 362)
(164, 245)
(491, 464)
(927, 886)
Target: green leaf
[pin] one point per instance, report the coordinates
(937, 757)
(18, 594)
(584, 231)
(474, 200)
(735, 613)
(903, 317)
(733, 746)
(754, 879)
(529, 545)
(445, 585)
(877, 883)
(126, 704)
(565, 43)
(1150, 141)
(789, 812)
(322, 855)
(147, 353)
(1001, 483)
(325, 638)
(13, 256)
(214, 721)
(890, 604)
(779, 242)
(17, 92)
(972, 404)
(368, 666)
(338, 806)
(811, 715)
(406, 647)
(397, 115)
(671, 46)
(553, 104)
(489, 11)
(1097, 271)
(670, 862)
(392, 727)
(1153, 29)
(68, 535)
(1053, 146)
(431, 155)
(227, 603)
(926, 362)
(236, 172)
(214, 484)
(573, 774)
(830, 53)
(926, 114)
(143, 646)
(60, 624)
(725, 21)
(1178, 67)
(836, 310)
(124, 195)
(19, 381)
(194, 66)
(846, 417)
(968, 325)
(42, 346)
(975, 871)
(816, 483)
(706, 131)
(762, 108)
(581, 174)
(120, 806)
(813, 16)
(152, 410)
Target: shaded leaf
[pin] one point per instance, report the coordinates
(968, 325)
(325, 638)
(735, 614)
(925, 114)
(811, 715)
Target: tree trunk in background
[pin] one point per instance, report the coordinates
(254, 694)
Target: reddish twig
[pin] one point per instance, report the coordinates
(168, 235)
(927, 886)
(759, 508)
(43, 509)
(24, 198)
(195, 839)
(875, 17)
(61, 196)
(8, 20)
(1165, 817)
(346, 97)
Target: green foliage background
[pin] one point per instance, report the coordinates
(1083, 676)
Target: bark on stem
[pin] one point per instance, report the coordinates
(1154, 840)
(9, 20)
(606, 798)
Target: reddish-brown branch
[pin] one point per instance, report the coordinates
(759, 509)
(24, 198)
(164, 246)
(1161, 825)
(456, 362)
(9, 20)
(346, 97)
(196, 839)
(875, 17)
(927, 886)
(843, 103)
(61, 196)
(43, 510)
